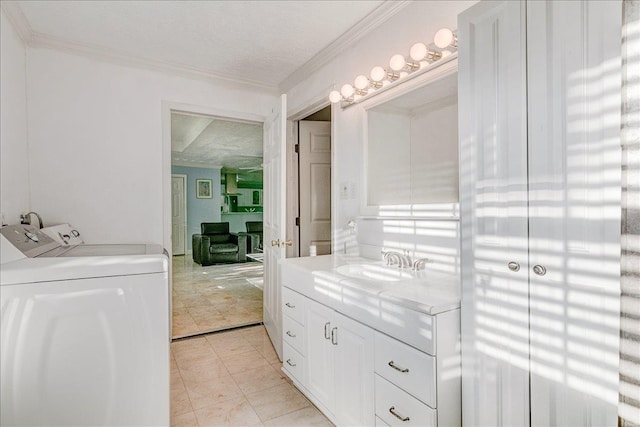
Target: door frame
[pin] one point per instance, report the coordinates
(168, 107)
(293, 203)
(186, 218)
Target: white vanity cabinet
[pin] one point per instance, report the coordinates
(347, 363)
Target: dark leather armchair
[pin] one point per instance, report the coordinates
(217, 245)
(254, 235)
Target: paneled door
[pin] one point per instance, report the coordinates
(315, 186)
(574, 100)
(178, 214)
(273, 218)
(540, 212)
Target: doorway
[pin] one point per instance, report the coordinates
(216, 179)
(311, 184)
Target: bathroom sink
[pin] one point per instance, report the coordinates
(375, 272)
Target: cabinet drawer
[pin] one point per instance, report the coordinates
(408, 410)
(406, 367)
(380, 423)
(293, 305)
(294, 363)
(293, 333)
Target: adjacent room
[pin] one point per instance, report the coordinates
(216, 205)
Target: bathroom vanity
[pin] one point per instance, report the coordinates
(371, 344)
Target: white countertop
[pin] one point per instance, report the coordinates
(426, 291)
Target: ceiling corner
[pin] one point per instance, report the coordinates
(16, 17)
(374, 19)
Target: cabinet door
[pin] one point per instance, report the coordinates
(353, 345)
(319, 350)
(493, 205)
(574, 215)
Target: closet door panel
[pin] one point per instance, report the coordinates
(493, 189)
(574, 213)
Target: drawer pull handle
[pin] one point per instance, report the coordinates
(327, 326)
(290, 334)
(397, 368)
(398, 416)
(290, 305)
(290, 363)
(334, 336)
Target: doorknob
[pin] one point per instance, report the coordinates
(513, 266)
(287, 243)
(275, 243)
(539, 270)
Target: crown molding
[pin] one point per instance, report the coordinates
(39, 40)
(18, 21)
(186, 164)
(378, 16)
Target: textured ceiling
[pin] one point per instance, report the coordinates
(210, 142)
(261, 42)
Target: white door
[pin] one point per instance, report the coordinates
(315, 186)
(273, 218)
(178, 213)
(574, 210)
(353, 348)
(493, 204)
(319, 327)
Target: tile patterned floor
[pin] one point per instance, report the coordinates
(234, 378)
(215, 297)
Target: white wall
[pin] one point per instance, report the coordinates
(96, 141)
(14, 167)
(419, 21)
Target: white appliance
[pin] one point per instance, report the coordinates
(84, 332)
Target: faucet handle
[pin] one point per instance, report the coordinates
(420, 263)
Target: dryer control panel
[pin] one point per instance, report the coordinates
(28, 239)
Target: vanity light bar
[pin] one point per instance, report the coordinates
(445, 42)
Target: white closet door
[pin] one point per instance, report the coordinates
(493, 190)
(574, 165)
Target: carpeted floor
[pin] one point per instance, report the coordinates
(215, 297)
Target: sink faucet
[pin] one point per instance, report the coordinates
(395, 257)
(420, 263)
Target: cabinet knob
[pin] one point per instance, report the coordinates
(290, 363)
(539, 270)
(287, 243)
(334, 336)
(275, 243)
(290, 305)
(513, 266)
(327, 327)
(291, 334)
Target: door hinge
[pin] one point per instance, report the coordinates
(298, 221)
(296, 148)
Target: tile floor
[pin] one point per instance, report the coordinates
(234, 378)
(215, 297)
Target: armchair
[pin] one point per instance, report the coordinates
(217, 245)
(254, 236)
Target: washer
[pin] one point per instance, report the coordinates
(84, 332)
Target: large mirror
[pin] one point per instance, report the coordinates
(412, 147)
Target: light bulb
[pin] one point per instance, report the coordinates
(397, 62)
(378, 73)
(335, 96)
(347, 90)
(444, 38)
(361, 82)
(418, 51)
